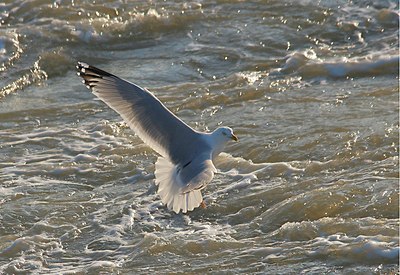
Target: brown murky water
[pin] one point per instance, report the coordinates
(310, 87)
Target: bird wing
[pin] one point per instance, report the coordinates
(145, 114)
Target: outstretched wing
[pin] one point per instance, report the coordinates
(145, 114)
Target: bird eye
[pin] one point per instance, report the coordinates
(224, 133)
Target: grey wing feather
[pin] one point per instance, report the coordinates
(145, 114)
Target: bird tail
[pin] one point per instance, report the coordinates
(170, 188)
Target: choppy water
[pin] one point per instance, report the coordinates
(310, 88)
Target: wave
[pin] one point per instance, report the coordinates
(96, 23)
(308, 66)
(10, 49)
(62, 30)
(34, 75)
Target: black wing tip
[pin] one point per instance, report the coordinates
(91, 74)
(86, 69)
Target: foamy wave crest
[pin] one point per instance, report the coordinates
(132, 24)
(10, 49)
(308, 66)
(34, 75)
(22, 253)
(343, 240)
(360, 249)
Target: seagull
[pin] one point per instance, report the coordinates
(185, 165)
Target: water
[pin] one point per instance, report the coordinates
(310, 88)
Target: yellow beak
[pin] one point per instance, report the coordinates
(235, 138)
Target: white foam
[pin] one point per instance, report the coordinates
(308, 65)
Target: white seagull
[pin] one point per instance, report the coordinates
(185, 165)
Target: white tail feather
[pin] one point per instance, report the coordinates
(170, 188)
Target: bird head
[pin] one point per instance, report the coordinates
(225, 134)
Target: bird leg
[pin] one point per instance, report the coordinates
(203, 205)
